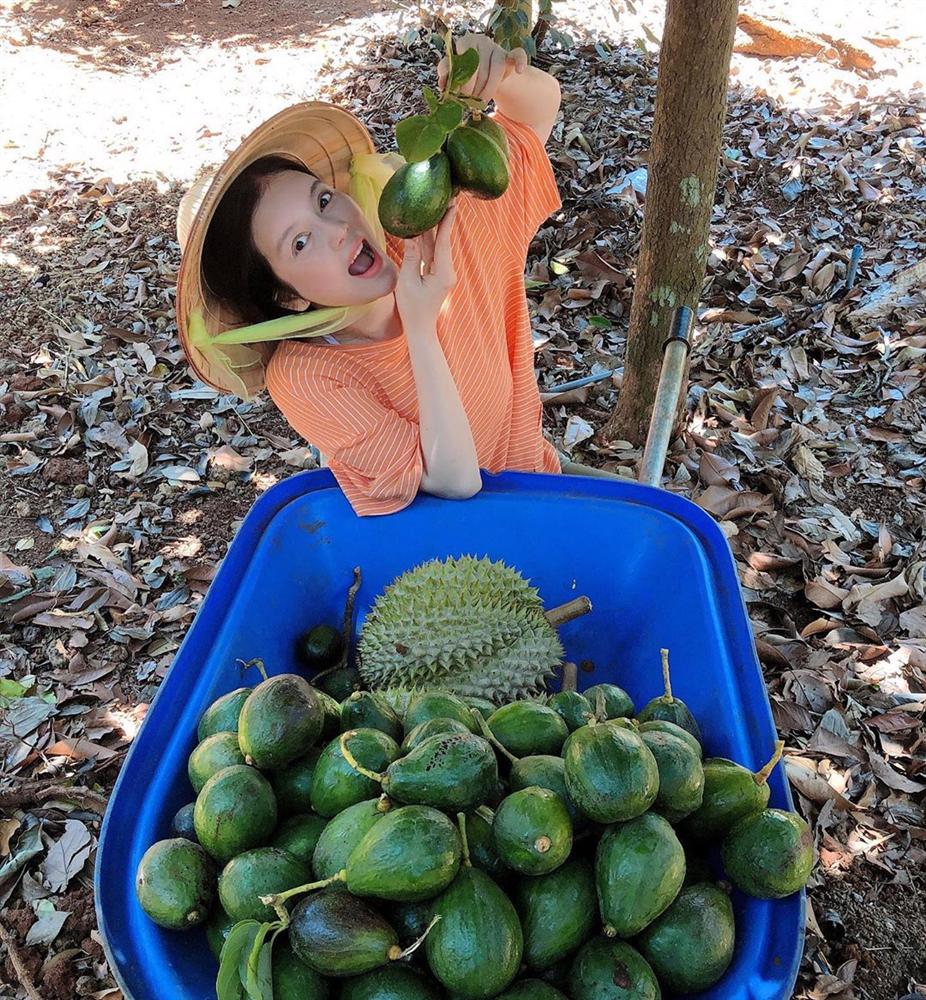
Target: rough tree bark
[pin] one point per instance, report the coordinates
(691, 92)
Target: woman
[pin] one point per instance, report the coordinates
(430, 377)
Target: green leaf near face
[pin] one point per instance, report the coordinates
(431, 99)
(419, 138)
(464, 66)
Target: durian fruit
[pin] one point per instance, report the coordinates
(471, 626)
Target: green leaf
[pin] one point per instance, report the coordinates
(11, 689)
(602, 322)
(228, 984)
(431, 99)
(419, 138)
(464, 66)
(258, 980)
(448, 115)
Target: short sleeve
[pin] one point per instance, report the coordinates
(373, 451)
(532, 188)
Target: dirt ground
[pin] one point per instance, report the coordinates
(117, 105)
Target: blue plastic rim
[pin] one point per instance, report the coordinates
(656, 567)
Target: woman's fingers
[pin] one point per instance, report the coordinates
(442, 253)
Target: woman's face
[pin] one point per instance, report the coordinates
(310, 235)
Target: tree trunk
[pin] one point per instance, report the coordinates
(691, 92)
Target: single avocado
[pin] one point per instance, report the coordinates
(558, 912)
(339, 935)
(664, 726)
(439, 705)
(175, 883)
(222, 715)
(410, 920)
(415, 197)
(366, 710)
(332, 709)
(299, 835)
(411, 855)
(256, 873)
(609, 701)
(338, 683)
(611, 775)
(769, 854)
(681, 776)
(669, 708)
(546, 771)
(572, 707)
(432, 727)
(482, 851)
(293, 979)
(336, 784)
(639, 869)
(453, 771)
(217, 927)
(527, 728)
(394, 982)
(182, 823)
(612, 970)
(477, 162)
(235, 811)
(491, 128)
(343, 833)
(532, 989)
(532, 831)
(731, 792)
(690, 946)
(280, 721)
(475, 948)
(320, 648)
(292, 784)
(215, 752)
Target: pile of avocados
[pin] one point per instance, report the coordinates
(548, 848)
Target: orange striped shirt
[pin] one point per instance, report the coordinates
(357, 403)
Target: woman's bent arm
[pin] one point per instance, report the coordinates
(451, 468)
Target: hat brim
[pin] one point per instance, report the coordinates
(324, 138)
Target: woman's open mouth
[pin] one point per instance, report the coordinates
(367, 263)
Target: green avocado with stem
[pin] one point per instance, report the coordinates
(416, 197)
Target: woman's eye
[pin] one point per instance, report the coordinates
(324, 194)
(299, 243)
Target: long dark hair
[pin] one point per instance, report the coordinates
(233, 268)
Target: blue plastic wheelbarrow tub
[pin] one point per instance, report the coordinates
(658, 572)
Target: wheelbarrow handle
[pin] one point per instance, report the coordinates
(675, 352)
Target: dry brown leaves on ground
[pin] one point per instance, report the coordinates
(124, 481)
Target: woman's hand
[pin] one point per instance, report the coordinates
(495, 65)
(426, 276)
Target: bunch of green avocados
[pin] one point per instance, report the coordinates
(553, 846)
(445, 152)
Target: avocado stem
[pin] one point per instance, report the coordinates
(665, 675)
(760, 777)
(486, 813)
(461, 822)
(490, 736)
(416, 944)
(352, 761)
(277, 899)
(346, 628)
(256, 662)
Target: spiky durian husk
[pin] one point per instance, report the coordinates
(466, 625)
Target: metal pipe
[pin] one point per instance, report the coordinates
(664, 408)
